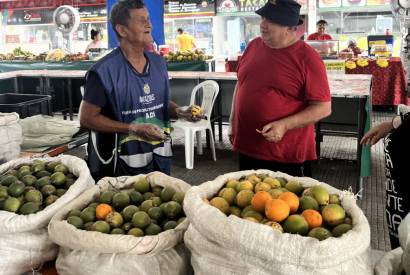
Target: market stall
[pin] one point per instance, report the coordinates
(389, 86)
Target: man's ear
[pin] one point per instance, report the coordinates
(121, 30)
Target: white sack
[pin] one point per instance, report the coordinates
(41, 124)
(88, 252)
(24, 241)
(390, 264)
(11, 136)
(230, 245)
(46, 131)
(404, 238)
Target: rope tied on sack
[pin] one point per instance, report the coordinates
(349, 193)
(35, 270)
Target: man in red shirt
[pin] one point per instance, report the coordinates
(282, 90)
(320, 33)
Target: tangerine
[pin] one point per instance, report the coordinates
(102, 211)
(259, 200)
(277, 210)
(291, 199)
(313, 218)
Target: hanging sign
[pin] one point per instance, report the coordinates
(353, 3)
(329, 3)
(229, 6)
(28, 17)
(183, 8)
(93, 14)
(232, 6)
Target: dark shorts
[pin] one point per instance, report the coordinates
(294, 169)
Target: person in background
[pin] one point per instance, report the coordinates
(320, 32)
(152, 47)
(185, 41)
(96, 42)
(353, 48)
(396, 134)
(282, 90)
(126, 101)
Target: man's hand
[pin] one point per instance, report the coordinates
(231, 133)
(376, 133)
(274, 131)
(191, 113)
(147, 131)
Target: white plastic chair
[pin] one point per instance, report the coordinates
(210, 90)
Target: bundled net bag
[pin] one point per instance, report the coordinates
(31, 192)
(226, 244)
(90, 249)
(390, 264)
(404, 237)
(397, 261)
(11, 136)
(42, 131)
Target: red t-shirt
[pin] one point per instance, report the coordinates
(317, 36)
(273, 84)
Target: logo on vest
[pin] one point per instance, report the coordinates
(147, 98)
(147, 89)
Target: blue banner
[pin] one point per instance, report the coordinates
(156, 13)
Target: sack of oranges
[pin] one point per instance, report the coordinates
(264, 222)
(124, 225)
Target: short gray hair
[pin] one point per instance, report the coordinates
(120, 12)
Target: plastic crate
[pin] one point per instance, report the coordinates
(25, 104)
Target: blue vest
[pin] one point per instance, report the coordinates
(137, 98)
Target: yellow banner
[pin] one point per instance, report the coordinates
(335, 65)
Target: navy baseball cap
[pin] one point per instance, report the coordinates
(281, 12)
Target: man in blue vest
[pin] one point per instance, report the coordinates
(126, 101)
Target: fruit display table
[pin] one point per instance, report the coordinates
(389, 84)
(19, 65)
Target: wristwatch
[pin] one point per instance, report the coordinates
(396, 122)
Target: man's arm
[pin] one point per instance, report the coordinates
(172, 107)
(315, 111)
(91, 118)
(177, 112)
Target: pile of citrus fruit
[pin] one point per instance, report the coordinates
(285, 205)
(28, 188)
(138, 211)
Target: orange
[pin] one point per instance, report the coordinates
(102, 211)
(313, 218)
(276, 210)
(291, 199)
(259, 200)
